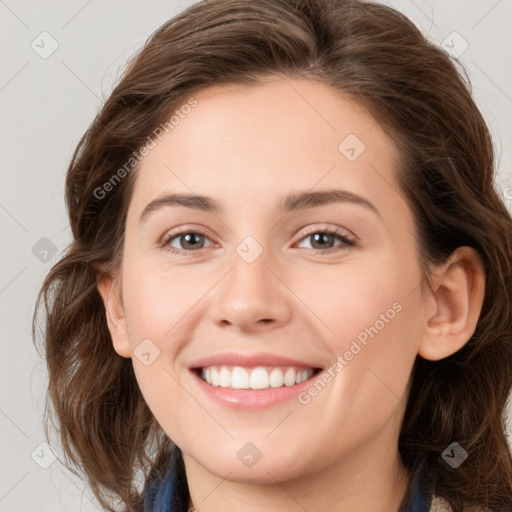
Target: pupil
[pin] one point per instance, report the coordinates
(190, 237)
(323, 238)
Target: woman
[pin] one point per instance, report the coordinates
(204, 338)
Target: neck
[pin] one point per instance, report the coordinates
(371, 479)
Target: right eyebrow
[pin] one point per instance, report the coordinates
(196, 202)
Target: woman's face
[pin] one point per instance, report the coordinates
(283, 278)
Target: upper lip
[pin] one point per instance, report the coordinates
(249, 360)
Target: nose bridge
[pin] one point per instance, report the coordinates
(250, 276)
(252, 254)
(252, 293)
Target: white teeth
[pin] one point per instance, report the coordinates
(237, 377)
(259, 379)
(276, 378)
(289, 377)
(224, 377)
(215, 377)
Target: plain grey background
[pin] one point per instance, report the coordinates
(59, 63)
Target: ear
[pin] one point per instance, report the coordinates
(110, 290)
(459, 288)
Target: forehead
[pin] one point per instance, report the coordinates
(261, 141)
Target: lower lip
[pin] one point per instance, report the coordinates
(250, 398)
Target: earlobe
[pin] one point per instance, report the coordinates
(115, 315)
(458, 294)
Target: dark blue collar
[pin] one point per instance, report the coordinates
(170, 493)
(420, 498)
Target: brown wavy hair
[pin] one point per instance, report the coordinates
(419, 95)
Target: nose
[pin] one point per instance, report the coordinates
(252, 297)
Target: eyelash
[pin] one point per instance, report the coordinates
(347, 242)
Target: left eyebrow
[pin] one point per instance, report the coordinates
(303, 200)
(291, 202)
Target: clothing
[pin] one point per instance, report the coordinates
(170, 494)
(420, 499)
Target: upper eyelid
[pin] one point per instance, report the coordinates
(336, 230)
(303, 233)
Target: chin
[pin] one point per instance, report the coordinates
(266, 470)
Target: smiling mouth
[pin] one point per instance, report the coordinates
(256, 378)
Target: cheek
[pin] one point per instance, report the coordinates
(360, 296)
(151, 309)
(160, 321)
(160, 301)
(372, 312)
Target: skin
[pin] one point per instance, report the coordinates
(247, 147)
